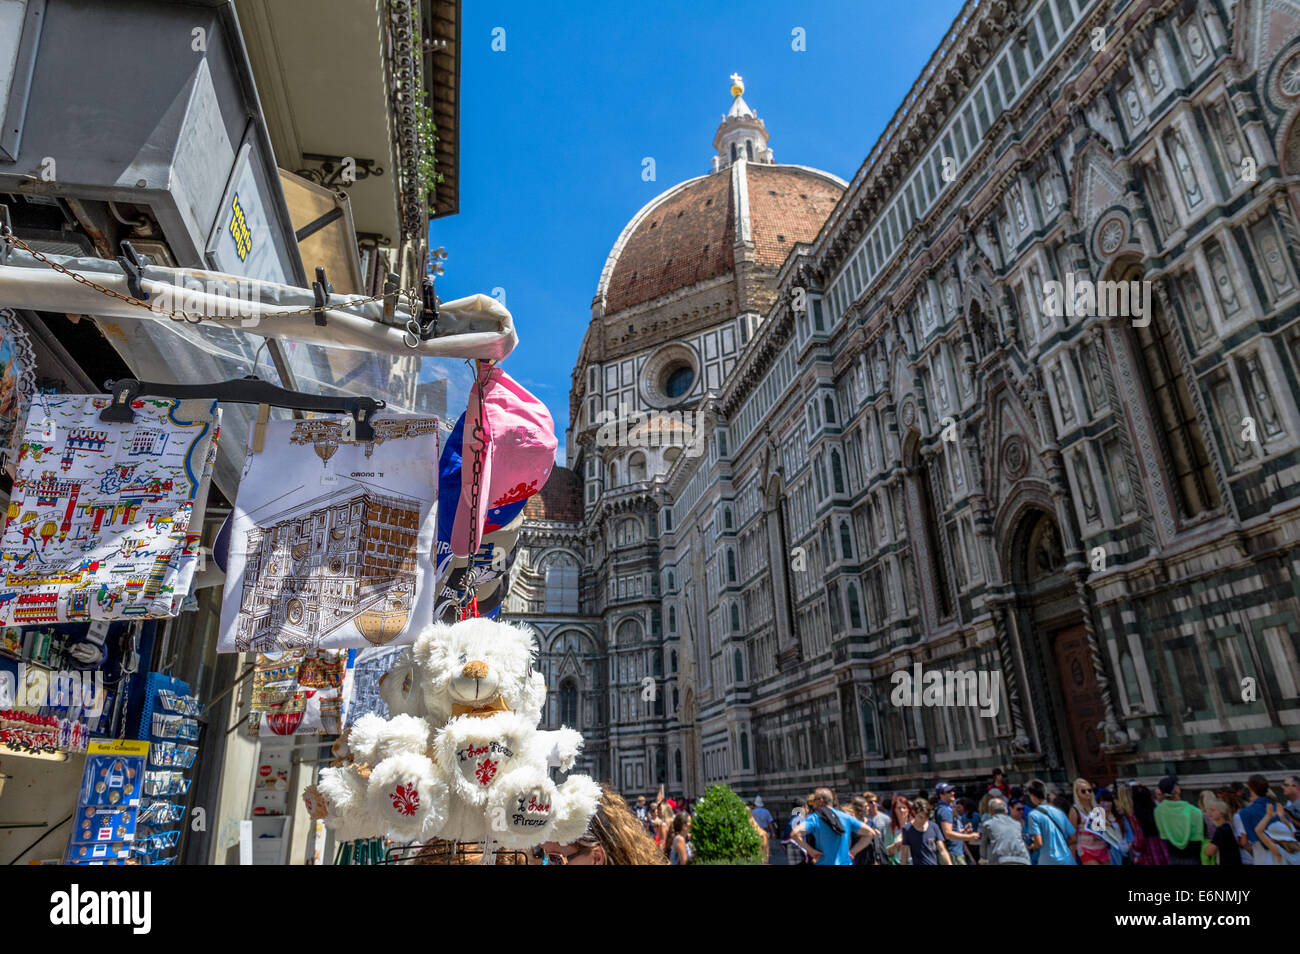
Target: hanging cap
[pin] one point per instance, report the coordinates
(520, 454)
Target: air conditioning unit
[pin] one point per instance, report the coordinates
(152, 104)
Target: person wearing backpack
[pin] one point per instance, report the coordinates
(838, 835)
(1051, 834)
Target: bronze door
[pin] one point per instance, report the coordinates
(1083, 706)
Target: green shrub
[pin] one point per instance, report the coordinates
(721, 831)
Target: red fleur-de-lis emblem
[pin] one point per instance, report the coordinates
(518, 492)
(486, 771)
(406, 800)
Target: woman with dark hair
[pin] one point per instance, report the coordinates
(1140, 806)
(613, 837)
(900, 813)
(1232, 799)
(682, 852)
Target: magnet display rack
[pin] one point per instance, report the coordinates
(169, 720)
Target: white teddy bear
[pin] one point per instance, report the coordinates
(461, 757)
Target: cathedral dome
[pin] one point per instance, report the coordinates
(691, 232)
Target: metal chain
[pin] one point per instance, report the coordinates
(9, 236)
(475, 490)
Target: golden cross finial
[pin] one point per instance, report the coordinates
(737, 84)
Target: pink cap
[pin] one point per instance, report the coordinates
(520, 454)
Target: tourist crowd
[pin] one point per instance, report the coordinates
(1126, 824)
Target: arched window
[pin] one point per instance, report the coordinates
(561, 575)
(829, 405)
(659, 766)
(735, 153)
(738, 661)
(1175, 416)
(569, 703)
(629, 633)
(629, 532)
(677, 765)
(636, 467)
(735, 617)
(837, 472)
(726, 517)
(672, 619)
(846, 540)
(613, 473)
(672, 661)
(744, 750)
(855, 608)
(749, 149)
(731, 566)
(657, 663)
(672, 582)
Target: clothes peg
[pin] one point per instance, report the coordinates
(133, 264)
(322, 289)
(390, 295)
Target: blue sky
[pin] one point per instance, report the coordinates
(554, 130)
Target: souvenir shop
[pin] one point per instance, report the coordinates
(167, 639)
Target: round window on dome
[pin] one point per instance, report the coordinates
(677, 380)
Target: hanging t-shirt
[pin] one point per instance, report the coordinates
(330, 539)
(99, 520)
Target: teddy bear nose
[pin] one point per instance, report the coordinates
(475, 669)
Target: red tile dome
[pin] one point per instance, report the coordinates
(689, 233)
